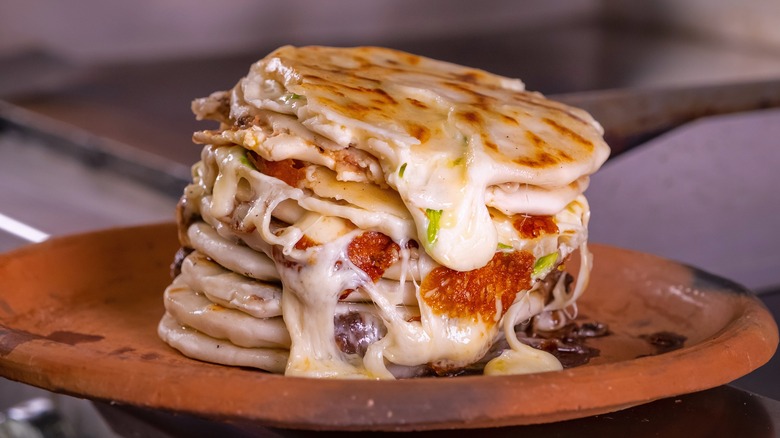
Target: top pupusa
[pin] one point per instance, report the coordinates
(449, 139)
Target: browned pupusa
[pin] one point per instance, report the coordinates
(409, 212)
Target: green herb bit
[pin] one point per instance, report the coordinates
(544, 263)
(292, 96)
(434, 217)
(402, 170)
(503, 246)
(245, 161)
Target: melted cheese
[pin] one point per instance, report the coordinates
(439, 158)
(456, 131)
(523, 359)
(310, 281)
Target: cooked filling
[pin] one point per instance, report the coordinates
(370, 213)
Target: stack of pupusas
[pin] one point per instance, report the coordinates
(364, 212)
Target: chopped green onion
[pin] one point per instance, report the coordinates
(292, 96)
(402, 170)
(245, 161)
(434, 216)
(544, 263)
(504, 246)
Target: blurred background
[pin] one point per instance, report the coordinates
(95, 121)
(128, 70)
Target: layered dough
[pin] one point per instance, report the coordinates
(366, 213)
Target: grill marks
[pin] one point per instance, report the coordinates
(568, 133)
(419, 132)
(379, 86)
(417, 103)
(471, 77)
(372, 102)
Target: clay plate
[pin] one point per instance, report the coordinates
(78, 315)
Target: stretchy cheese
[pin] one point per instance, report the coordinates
(393, 216)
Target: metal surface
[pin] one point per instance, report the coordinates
(631, 117)
(28, 72)
(160, 174)
(721, 411)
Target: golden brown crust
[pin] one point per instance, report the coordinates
(474, 294)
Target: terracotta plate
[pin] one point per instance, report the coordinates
(79, 314)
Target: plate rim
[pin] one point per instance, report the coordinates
(752, 321)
